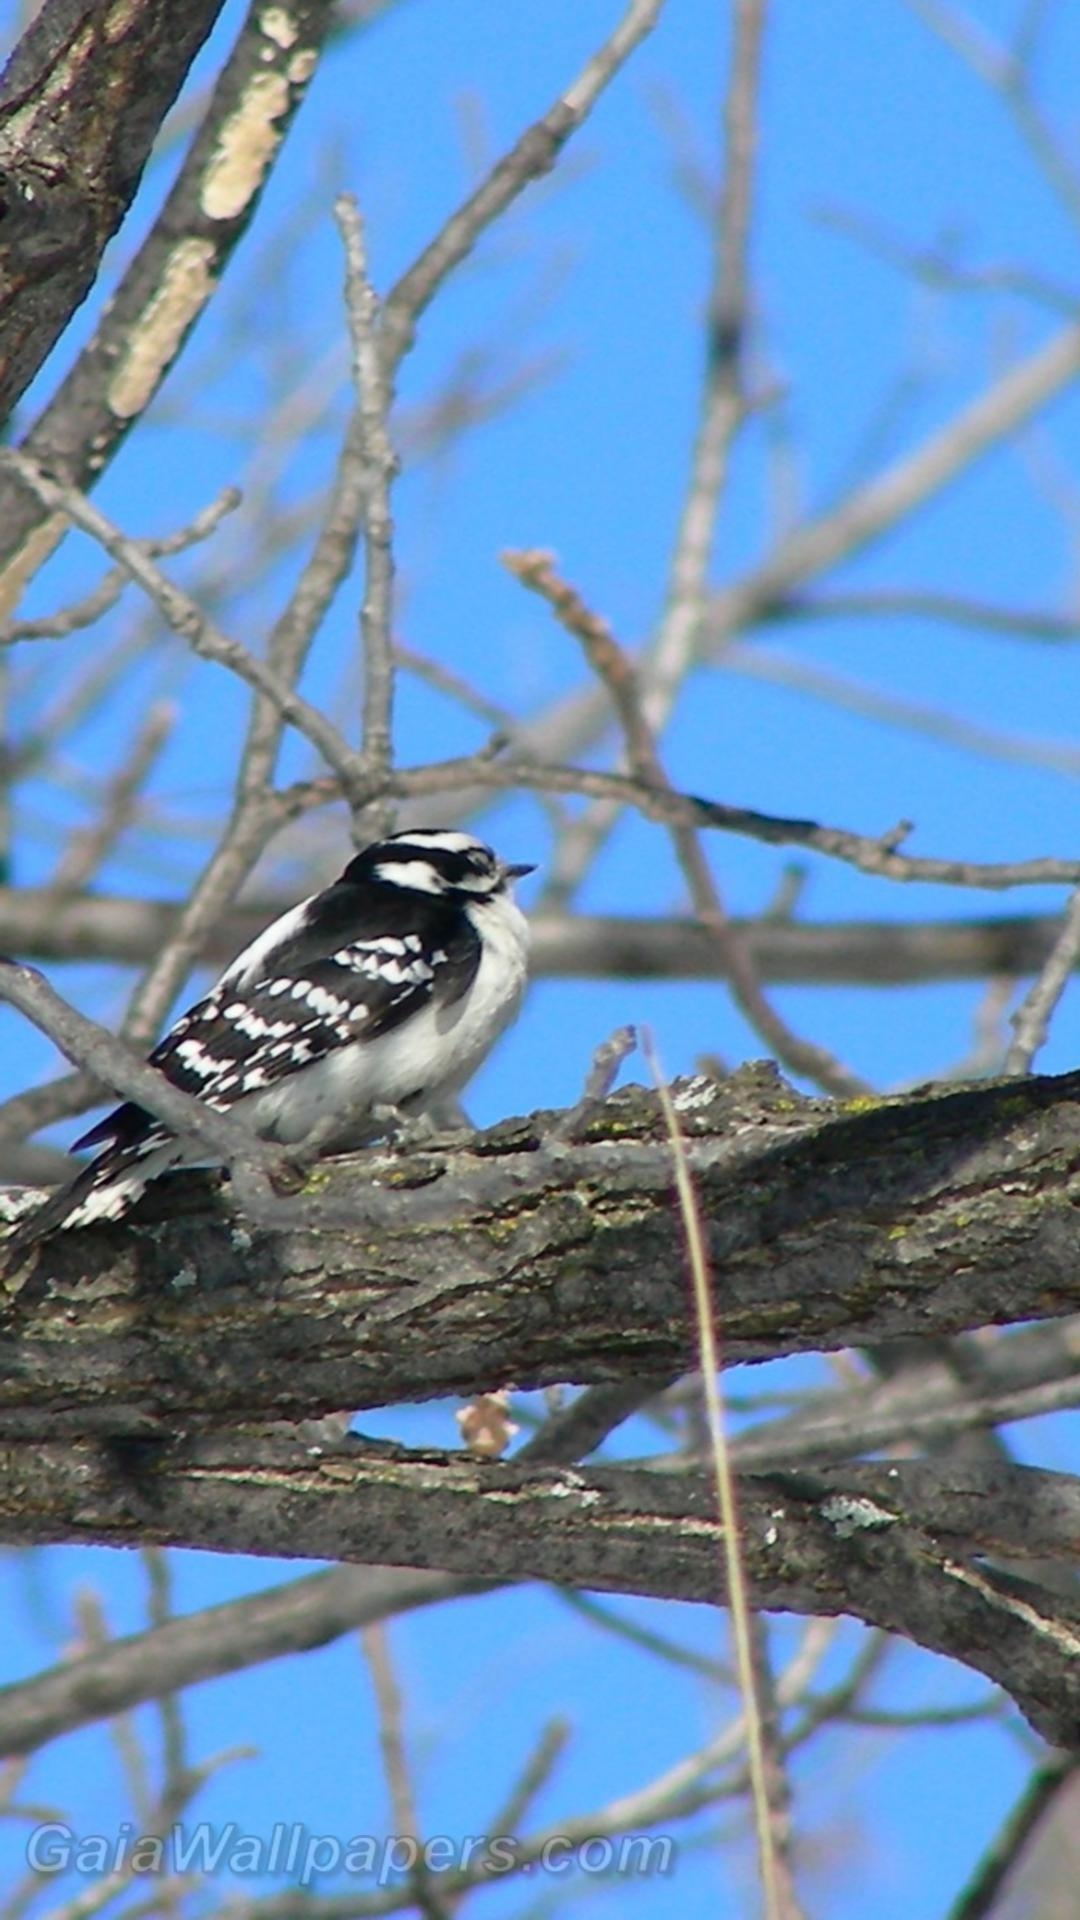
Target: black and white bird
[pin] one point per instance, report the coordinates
(387, 989)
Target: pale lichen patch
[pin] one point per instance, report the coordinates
(852, 1513)
(245, 147)
(184, 290)
(302, 66)
(279, 26)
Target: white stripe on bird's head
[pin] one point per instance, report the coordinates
(434, 861)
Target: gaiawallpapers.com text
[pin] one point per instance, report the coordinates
(291, 1850)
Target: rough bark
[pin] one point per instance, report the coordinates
(174, 274)
(521, 1255)
(81, 101)
(891, 1545)
(140, 1366)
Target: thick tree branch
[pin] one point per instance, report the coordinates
(38, 924)
(81, 101)
(520, 1256)
(890, 1544)
(229, 1638)
(175, 272)
(311, 1611)
(242, 1633)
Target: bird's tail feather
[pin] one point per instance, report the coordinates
(103, 1191)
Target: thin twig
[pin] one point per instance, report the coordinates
(1009, 75)
(721, 412)
(675, 1794)
(924, 603)
(573, 723)
(1031, 1021)
(603, 1614)
(874, 855)
(255, 818)
(1049, 1782)
(914, 716)
(533, 1778)
(722, 406)
(614, 668)
(738, 1596)
(531, 157)
(373, 402)
(86, 611)
(186, 618)
(111, 1064)
(85, 694)
(600, 1079)
(777, 1774)
(87, 851)
(405, 1818)
(435, 673)
(864, 515)
(177, 1775)
(124, 1728)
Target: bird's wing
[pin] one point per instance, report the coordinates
(242, 1039)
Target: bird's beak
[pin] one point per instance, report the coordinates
(518, 872)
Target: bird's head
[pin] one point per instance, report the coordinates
(434, 860)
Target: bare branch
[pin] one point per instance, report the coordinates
(129, 931)
(1048, 1786)
(613, 667)
(722, 410)
(1008, 74)
(90, 84)
(373, 403)
(876, 856)
(642, 753)
(894, 1544)
(212, 1641)
(1032, 1019)
(601, 1077)
(923, 603)
(176, 270)
(186, 618)
(723, 403)
(87, 611)
(914, 716)
(396, 1766)
(860, 518)
(265, 1626)
(111, 1064)
(918, 1215)
(776, 1777)
(87, 851)
(864, 516)
(531, 157)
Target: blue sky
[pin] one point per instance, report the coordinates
(598, 281)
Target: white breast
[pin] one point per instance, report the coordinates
(435, 1052)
